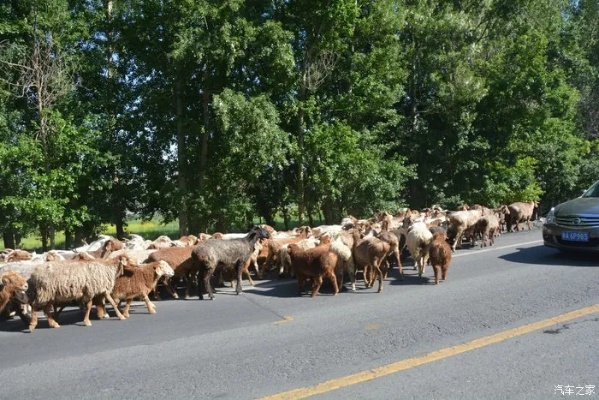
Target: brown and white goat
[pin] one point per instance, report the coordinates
(136, 281)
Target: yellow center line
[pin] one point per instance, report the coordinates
(388, 369)
(285, 319)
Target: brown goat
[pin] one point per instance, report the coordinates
(274, 247)
(440, 255)
(179, 258)
(520, 212)
(369, 255)
(313, 264)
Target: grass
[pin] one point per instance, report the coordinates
(147, 229)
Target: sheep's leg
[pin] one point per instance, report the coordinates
(246, 270)
(379, 273)
(339, 276)
(420, 264)
(33, 322)
(100, 308)
(399, 266)
(333, 280)
(352, 274)
(188, 282)
(127, 306)
(436, 268)
(113, 304)
(239, 269)
(170, 285)
(207, 285)
(47, 309)
(88, 309)
(444, 269)
(149, 304)
(301, 282)
(316, 283)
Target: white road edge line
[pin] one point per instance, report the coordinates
(495, 248)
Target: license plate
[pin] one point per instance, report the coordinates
(575, 236)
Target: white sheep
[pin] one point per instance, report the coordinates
(56, 283)
(418, 240)
(460, 221)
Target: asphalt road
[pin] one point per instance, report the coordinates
(470, 337)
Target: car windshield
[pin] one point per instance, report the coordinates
(593, 191)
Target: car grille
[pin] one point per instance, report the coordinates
(577, 221)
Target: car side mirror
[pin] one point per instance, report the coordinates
(583, 191)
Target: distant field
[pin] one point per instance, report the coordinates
(147, 229)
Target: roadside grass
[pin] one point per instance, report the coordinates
(147, 229)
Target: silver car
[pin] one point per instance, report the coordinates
(574, 225)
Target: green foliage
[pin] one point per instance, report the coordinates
(219, 113)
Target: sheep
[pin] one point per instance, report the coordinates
(488, 226)
(108, 246)
(179, 258)
(260, 244)
(313, 264)
(502, 213)
(345, 263)
(285, 260)
(61, 282)
(161, 242)
(418, 240)
(140, 255)
(369, 253)
(393, 240)
(12, 287)
(136, 281)
(19, 255)
(233, 253)
(274, 245)
(521, 212)
(440, 255)
(459, 222)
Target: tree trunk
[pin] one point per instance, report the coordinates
(9, 239)
(181, 161)
(204, 133)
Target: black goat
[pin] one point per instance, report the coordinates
(227, 254)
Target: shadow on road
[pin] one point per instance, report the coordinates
(542, 255)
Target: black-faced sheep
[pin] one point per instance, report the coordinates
(314, 264)
(521, 212)
(136, 281)
(233, 253)
(440, 255)
(57, 283)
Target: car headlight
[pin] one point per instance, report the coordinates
(550, 218)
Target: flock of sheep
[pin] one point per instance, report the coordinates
(114, 271)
